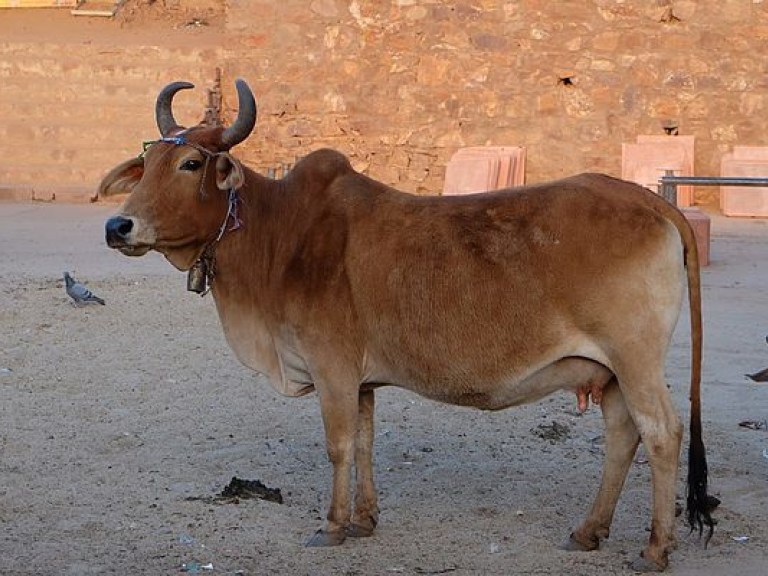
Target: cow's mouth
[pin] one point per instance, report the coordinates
(131, 250)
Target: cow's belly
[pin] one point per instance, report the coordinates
(570, 373)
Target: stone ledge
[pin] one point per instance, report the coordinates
(16, 193)
(27, 193)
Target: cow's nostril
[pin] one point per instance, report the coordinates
(124, 228)
(117, 230)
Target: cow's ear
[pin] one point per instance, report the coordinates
(229, 172)
(122, 179)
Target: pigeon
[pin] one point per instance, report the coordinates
(78, 292)
(761, 376)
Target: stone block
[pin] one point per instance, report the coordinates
(701, 224)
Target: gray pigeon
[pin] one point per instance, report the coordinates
(78, 292)
(761, 376)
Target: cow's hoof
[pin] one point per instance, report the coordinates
(358, 531)
(323, 538)
(362, 525)
(643, 564)
(572, 544)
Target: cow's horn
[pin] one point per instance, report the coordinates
(246, 117)
(163, 112)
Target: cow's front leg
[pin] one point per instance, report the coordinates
(339, 409)
(366, 513)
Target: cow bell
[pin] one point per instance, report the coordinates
(197, 277)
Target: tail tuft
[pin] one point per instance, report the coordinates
(699, 503)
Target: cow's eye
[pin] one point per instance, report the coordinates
(190, 165)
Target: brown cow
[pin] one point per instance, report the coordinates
(329, 281)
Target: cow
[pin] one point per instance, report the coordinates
(328, 281)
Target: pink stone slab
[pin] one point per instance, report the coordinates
(645, 163)
(745, 201)
(701, 225)
(483, 168)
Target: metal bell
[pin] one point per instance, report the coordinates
(197, 277)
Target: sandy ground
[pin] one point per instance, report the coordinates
(113, 417)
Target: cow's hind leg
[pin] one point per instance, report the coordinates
(366, 513)
(621, 440)
(650, 404)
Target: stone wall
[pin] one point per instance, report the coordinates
(400, 85)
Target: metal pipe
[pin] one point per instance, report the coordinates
(668, 189)
(710, 181)
(668, 183)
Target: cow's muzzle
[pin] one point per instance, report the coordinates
(118, 231)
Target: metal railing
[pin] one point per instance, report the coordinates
(669, 182)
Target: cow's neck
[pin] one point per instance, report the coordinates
(246, 271)
(266, 225)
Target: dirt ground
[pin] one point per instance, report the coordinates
(117, 419)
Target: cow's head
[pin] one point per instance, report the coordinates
(181, 188)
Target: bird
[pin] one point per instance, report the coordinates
(761, 376)
(78, 292)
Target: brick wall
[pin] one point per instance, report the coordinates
(399, 85)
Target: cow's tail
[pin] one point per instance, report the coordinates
(698, 501)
